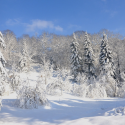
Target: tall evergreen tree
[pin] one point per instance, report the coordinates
(106, 58)
(107, 67)
(2, 60)
(88, 58)
(76, 66)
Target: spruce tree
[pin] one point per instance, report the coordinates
(76, 66)
(106, 58)
(107, 70)
(88, 58)
(2, 60)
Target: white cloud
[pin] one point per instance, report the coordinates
(58, 28)
(41, 24)
(34, 25)
(12, 22)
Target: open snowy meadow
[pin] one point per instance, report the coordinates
(65, 109)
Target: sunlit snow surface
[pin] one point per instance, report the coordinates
(64, 110)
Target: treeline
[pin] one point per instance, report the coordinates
(56, 48)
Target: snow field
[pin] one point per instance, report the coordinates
(67, 109)
(64, 110)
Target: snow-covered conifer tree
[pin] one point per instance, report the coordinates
(2, 60)
(76, 65)
(107, 67)
(88, 58)
(25, 59)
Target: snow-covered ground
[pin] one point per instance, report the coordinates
(64, 110)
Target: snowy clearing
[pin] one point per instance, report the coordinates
(63, 110)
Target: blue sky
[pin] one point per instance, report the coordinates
(62, 17)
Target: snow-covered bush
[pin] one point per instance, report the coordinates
(64, 78)
(94, 90)
(41, 95)
(81, 79)
(79, 90)
(54, 85)
(4, 86)
(121, 90)
(54, 88)
(41, 82)
(57, 88)
(60, 83)
(67, 85)
(110, 85)
(121, 87)
(30, 97)
(15, 80)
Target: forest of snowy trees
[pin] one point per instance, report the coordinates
(87, 65)
(57, 48)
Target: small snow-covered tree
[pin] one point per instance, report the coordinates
(88, 58)
(4, 86)
(24, 62)
(15, 81)
(107, 73)
(76, 65)
(79, 90)
(30, 97)
(46, 71)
